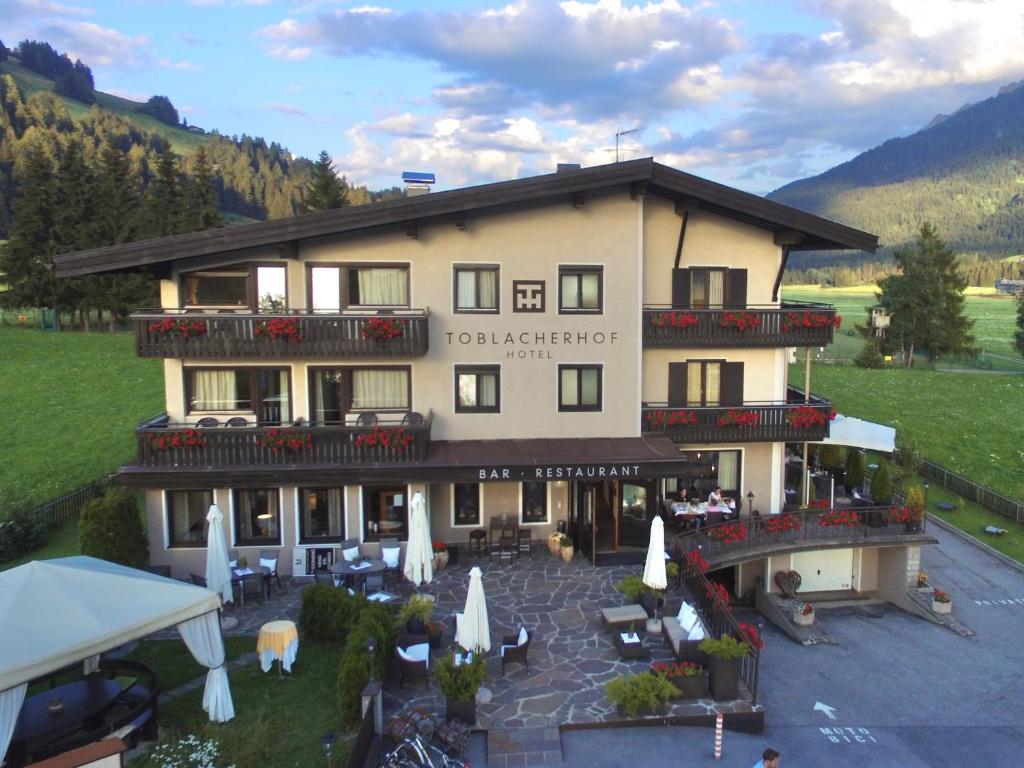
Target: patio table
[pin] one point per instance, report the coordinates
(84, 703)
(239, 575)
(628, 647)
(359, 569)
(278, 640)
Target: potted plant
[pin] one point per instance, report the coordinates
(804, 615)
(417, 614)
(459, 684)
(922, 582)
(435, 631)
(686, 676)
(725, 654)
(642, 694)
(632, 587)
(941, 602)
(565, 545)
(555, 543)
(440, 550)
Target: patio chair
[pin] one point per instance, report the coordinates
(391, 554)
(207, 421)
(237, 421)
(413, 652)
(323, 576)
(413, 419)
(268, 559)
(525, 540)
(350, 549)
(250, 585)
(366, 419)
(514, 649)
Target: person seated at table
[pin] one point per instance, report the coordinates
(683, 496)
(715, 497)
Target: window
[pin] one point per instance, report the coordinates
(321, 517)
(385, 512)
(466, 504)
(263, 391)
(707, 288)
(186, 517)
(271, 288)
(257, 516)
(228, 288)
(580, 290)
(333, 288)
(704, 471)
(579, 387)
(335, 392)
(477, 389)
(703, 382)
(476, 289)
(534, 506)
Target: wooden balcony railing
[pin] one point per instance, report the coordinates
(226, 335)
(751, 422)
(789, 325)
(168, 445)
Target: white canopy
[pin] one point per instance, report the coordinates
(419, 555)
(654, 567)
(846, 430)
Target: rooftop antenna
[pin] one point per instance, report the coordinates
(617, 135)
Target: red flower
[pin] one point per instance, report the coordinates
(171, 326)
(749, 632)
(838, 519)
(277, 438)
(696, 559)
(382, 328)
(904, 515)
(781, 523)
(736, 417)
(671, 418)
(808, 416)
(397, 438)
(279, 328)
(728, 533)
(741, 321)
(189, 438)
(718, 594)
(808, 319)
(673, 319)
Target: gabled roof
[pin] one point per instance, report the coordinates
(812, 232)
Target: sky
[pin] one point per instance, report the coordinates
(750, 93)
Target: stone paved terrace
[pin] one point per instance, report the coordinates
(571, 655)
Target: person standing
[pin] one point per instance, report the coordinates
(769, 759)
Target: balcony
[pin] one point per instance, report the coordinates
(790, 325)
(165, 445)
(753, 422)
(228, 334)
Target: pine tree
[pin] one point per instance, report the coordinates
(201, 211)
(74, 206)
(162, 212)
(1018, 335)
(325, 190)
(28, 255)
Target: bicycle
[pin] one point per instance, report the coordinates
(414, 752)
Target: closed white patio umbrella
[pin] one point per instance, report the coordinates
(218, 572)
(654, 568)
(419, 555)
(474, 633)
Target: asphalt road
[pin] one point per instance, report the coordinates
(904, 692)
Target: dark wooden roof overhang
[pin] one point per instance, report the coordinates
(544, 459)
(642, 176)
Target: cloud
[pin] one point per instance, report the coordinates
(124, 93)
(31, 10)
(95, 45)
(287, 109)
(190, 40)
(181, 65)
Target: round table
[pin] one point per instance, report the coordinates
(344, 568)
(278, 640)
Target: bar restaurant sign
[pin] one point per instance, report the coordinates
(564, 472)
(520, 345)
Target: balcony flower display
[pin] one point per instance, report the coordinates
(279, 328)
(780, 523)
(397, 438)
(696, 559)
(679, 418)
(737, 417)
(381, 329)
(741, 321)
(672, 669)
(809, 319)
(719, 594)
(673, 319)
(809, 416)
(278, 439)
(839, 519)
(804, 614)
(172, 326)
(909, 515)
(749, 632)
(728, 533)
(188, 438)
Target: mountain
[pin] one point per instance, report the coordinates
(963, 173)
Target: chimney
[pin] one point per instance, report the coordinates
(417, 182)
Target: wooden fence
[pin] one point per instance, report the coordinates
(986, 497)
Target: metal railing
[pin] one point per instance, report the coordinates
(793, 324)
(986, 497)
(67, 507)
(222, 334)
(722, 541)
(392, 440)
(720, 622)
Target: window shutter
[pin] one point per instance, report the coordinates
(732, 384)
(736, 289)
(677, 384)
(680, 289)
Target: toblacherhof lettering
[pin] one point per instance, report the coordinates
(550, 338)
(565, 473)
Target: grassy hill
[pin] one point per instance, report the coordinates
(964, 174)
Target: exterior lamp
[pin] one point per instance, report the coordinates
(327, 742)
(750, 503)
(371, 646)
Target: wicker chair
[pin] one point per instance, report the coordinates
(391, 571)
(268, 556)
(514, 652)
(414, 669)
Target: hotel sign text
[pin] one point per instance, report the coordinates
(537, 343)
(567, 472)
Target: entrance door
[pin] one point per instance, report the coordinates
(825, 570)
(606, 521)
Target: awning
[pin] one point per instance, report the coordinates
(589, 458)
(846, 430)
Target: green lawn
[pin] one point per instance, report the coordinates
(966, 422)
(173, 663)
(276, 723)
(71, 401)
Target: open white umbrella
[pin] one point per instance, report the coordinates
(419, 555)
(474, 633)
(218, 573)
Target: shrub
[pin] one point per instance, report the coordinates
(868, 356)
(20, 534)
(111, 529)
(419, 607)
(854, 468)
(632, 587)
(881, 483)
(460, 683)
(672, 571)
(831, 458)
(374, 620)
(327, 614)
(907, 453)
(643, 691)
(725, 648)
(915, 497)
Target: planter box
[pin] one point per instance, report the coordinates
(692, 687)
(460, 710)
(725, 680)
(803, 621)
(566, 553)
(942, 607)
